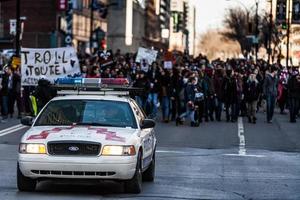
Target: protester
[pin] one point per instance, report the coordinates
(193, 88)
(44, 93)
(294, 94)
(252, 92)
(270, 92)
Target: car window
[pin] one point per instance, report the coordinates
(87, 112)
(140, 114)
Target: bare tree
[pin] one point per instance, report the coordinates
(237, 24)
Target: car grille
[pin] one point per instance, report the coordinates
(74, 148)
(72, 173)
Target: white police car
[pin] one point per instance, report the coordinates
(88, 137)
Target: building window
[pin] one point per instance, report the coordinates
(86, 3)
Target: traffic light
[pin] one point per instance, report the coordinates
(296, 12)
(281, 11)
(175, 18)
(284, 25)
(185, 16)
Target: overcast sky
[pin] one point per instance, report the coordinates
(210, 13)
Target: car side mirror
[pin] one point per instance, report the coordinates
(147, 123)
(27, 121)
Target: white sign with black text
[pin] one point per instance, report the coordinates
(49, 63)
(146, 54)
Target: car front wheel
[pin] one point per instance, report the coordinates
(149, 174)
(24, 183)
(134, 185)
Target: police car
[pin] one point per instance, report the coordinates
(88, 136)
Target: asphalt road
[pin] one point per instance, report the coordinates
(217, 160)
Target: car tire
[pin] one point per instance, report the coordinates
(134, 185)
(149, 174)
(24, 183)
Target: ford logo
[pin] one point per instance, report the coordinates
(73, 148)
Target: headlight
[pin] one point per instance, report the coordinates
(118, 151)
(32, 148)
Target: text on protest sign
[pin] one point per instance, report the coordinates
(147, 54)
(49, 63)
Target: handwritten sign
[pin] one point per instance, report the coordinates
(49, 63)
(146, 54)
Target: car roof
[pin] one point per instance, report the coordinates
(91, 97)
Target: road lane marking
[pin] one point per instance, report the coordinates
(11, 129)
(163, 151)
(242, 142)
(242, 139)
(246, 155)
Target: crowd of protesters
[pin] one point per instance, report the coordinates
(194, 89)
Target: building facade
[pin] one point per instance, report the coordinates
(138, 23)
(44, 25)
(182, 26)
(126, 22)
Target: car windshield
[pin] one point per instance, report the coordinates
(87, 112)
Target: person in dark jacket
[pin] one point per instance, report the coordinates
(190, 104)
(44, 93)
(165, 93)
(270, 92)
(294, 94)
(230, 95)
(251, 91)
(218, 82)
(209, 94)
(10, 89)
(140, 82)
(153, 88)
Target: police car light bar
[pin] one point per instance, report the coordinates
(93, 81)
(94, 86)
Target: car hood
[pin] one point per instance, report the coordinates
(104, 135)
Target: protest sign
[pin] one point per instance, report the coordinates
(49, 63)
(146, 54)
(105, 58)
(168, 64)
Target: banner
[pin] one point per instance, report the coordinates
(146, 54)
(49, 63)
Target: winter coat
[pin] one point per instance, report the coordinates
(16, 84)
(251, 91)
(270, 86)
(44, 93)
(230, 90)
(294, 87)
(218, 82)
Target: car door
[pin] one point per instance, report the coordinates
(147, 135)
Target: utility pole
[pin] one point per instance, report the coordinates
(256, 31)
(91, 26)
(270, 33)
(18, 28)
(288, 34)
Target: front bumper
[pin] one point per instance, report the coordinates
(102, 167)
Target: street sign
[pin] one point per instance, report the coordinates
(69, 19)
(13, 26)
(176, 5)
(165, 33)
